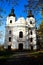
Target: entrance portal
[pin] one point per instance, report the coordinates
(20, 46)
(31, 48)
(9, 47)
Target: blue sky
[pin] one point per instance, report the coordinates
(19, 11)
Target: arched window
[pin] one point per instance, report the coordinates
(10, 21)
(20, 34)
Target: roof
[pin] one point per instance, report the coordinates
(12, 13)
(30, 14)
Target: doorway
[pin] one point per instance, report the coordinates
(21, 46)
(9, 47)
(31, 48)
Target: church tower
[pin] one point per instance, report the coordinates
(31, 31)
(9, 30)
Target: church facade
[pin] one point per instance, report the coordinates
(21, 33)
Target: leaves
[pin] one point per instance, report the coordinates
(40, 31)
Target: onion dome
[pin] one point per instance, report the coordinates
(12, 13)
(30, 14)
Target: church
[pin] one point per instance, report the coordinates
(20, 34)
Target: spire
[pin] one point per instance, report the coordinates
(12, 13)
(30, 14)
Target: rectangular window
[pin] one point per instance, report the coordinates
(9, 39)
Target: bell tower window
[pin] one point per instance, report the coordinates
(10, 21)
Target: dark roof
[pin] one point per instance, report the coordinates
(12, 13)
(30, 14)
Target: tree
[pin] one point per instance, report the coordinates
(40, 34)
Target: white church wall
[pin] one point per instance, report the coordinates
(34, 47)
(10, 19)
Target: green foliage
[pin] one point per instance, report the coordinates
(40, 30)
(40, 34)
(1, 48)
